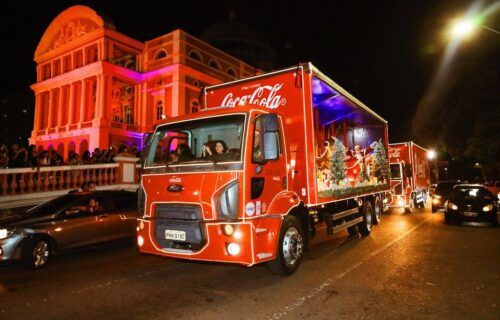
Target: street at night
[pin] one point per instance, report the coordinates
(412, 266)
(250, 160)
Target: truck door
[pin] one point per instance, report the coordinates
(267, 164)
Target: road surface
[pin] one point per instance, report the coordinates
(410, 267)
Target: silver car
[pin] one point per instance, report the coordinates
(65, 223)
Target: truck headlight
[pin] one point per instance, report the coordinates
(4, 233)
(437, 196)
(227, 202)
(488, 208)
(452, 206)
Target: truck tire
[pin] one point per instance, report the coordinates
(378, 208)
(365, 226)
(290, 248)
(35, 253)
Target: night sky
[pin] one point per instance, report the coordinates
(384, 52)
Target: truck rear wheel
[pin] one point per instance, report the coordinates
(290, 247)
(377, 210)
(365, 226)
(411, 205)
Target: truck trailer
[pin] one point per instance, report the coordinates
(410, 176)
(268, 159)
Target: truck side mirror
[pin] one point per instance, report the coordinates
(271, 144)
(408, 172)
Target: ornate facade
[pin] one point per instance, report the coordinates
(96, 87)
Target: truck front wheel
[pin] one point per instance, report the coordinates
(290, 247)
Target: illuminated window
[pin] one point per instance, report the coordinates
(130, 64)
(116, 115)
(129, 115)
(159, 110)
(195, 55)
(195, 106)
(160, 54)
(214, 64)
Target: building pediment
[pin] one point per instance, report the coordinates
(73, 23)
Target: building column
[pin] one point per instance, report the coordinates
(83, 97)
(71, 104)
(137, 89)
(60, 109)
(50, 123)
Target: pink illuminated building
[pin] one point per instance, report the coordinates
(97, 87)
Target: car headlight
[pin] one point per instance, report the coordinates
(488, 208)
(4, 233)
(437, 196)
(452, 206)
(227, 202)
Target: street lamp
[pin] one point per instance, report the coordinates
(431, 154)
(464, 28)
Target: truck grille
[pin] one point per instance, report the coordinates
(178, 211)
(180, 217)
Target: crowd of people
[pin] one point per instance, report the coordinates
(20, 157)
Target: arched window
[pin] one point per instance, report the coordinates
(214, 64)
(195, 105)
(129, 115)
(130, 64)
(232, 73)
(160, 54)
(159, 110)
(195, 55)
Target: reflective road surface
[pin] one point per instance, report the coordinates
(411, 267)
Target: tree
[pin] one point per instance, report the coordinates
(382, 166)
(337, 162)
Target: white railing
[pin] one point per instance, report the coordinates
(40, 182)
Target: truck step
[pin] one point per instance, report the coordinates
(345, 225)
(337, 216)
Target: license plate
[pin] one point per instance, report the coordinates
(470, 214)
(175, 235)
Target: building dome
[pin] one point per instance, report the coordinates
(242, 42)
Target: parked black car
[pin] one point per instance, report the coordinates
(65, 223)
(472, 204)
(443, 189)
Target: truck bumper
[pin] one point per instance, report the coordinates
(250, 242)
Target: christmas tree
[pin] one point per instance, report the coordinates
(337, 162)
(382, 166)
(364, 173)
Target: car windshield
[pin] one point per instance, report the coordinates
(395, 171)
(471, 193)
(52, 206)
(207, 144)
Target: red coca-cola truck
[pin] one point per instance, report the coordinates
(410, 176)
(249, 178)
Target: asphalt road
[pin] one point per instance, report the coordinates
(410, 267)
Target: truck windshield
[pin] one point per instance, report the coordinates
(395, 171)
(204, 144)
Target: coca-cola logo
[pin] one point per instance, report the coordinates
(263, 96)
(394, 153)
(175, 180)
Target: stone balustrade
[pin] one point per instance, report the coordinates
(32, 185)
